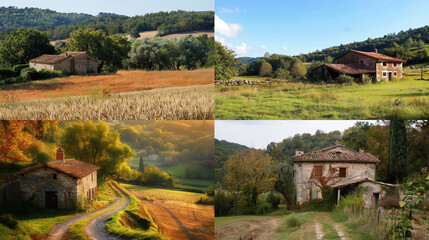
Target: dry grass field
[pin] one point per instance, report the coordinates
(122, 81)
(151, 34)
(176, 103)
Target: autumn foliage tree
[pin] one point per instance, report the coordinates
(249, 172)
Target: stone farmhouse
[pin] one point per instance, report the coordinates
(344, 168)
(358, 64)
(68, 63)
(63, 184)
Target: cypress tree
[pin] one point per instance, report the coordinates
(141, 164)
(397, 165)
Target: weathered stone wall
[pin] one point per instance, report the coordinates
(10, 191)
(389, 68)
(370, 189)
(64, 66)
(94, 66)
(35, 184)
(87, 187)
(42, 66)
(303, 171)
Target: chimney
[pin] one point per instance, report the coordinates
(361, 150)
(298, 152)
(375, 50)
(67, 53)
(60, 155)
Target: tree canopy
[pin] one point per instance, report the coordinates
(225, 62)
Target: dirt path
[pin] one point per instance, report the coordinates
(95, 229)
(60, 229)
(251, 229)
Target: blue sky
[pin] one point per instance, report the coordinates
(253, 27)
(124, 7)
(259, 133)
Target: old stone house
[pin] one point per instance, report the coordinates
(342, 168)
(64, 184)
(68, 63)
(358, 64)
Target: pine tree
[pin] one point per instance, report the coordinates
(397, 165)
(141, 164)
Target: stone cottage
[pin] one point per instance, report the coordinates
(358, 64)
(68, 63)
(64, 184)
(342, 168)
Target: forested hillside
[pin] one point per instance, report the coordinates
(60, 25)
(411, 45)
(224, 148)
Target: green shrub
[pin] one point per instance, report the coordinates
(29, 74)
(20, 79)
(9, 221)
(292, 222)
(6, 73)
(273, 199)
(223, 202)
(353, 199)
(18, 68)
(109, 68)
(317, 205)
(367, 79)
(45, 74)
(394, 79)
(264, 208)
(344, 79)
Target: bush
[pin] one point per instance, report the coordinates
(292, 222)
(9, 221)
(317, 205)
(265, 70)
(273, 199)
(394, 79)
(45, 74)
(29, 74)
(223, 203)
(153, 176)
(108, 68)
(354, 198)
(264, 208)
(344, 79)
(6, 73)
(18, 68)
(367, 79)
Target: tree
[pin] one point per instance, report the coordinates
(94, 143)
(141, 164)
(249, 172)
(356, 137)
(242, 69)
(22, 45)
(266, 69)
(225, 62)
(298, 70)
(397, 166)
(193, 52)
(284, 184)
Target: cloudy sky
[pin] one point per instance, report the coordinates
(123, 7)
(259, 133)
(253, 27)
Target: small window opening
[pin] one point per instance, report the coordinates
(54, 176)
(343, 172)
(384, 64)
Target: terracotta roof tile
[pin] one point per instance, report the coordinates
(351, 68)
(375, 55)
(347, 155)
(49, 59)
(70, 167)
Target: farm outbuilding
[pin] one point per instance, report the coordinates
(68, 63)
(342, 168)
(358, 64)
(63, 184)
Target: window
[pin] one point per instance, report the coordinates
(54, 176)
(394, 74)
(343, 172)
(394, 64)
(314, 194)
(361, 61)
(384, 64)
(318, 171)
(384, 74)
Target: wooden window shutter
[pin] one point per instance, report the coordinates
(318, 171)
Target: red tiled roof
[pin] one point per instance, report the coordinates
(70, 167)
(351, 68)
(51, 59)
(375, 55)
(341, 156)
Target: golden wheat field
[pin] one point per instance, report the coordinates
(175, 103)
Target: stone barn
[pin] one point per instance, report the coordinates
(358, 64)
(68, 63)
(344, 168)
(63, 184)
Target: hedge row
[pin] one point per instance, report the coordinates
(26, 74)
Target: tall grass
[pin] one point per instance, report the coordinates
(178, 103)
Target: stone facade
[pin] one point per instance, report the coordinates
(343, 166)
(68, 63)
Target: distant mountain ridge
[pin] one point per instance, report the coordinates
(223, 149)
(60, 25)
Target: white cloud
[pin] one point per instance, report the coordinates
(264, 47)
(226, 29)
(242, 49)
(284, 48)
(228, 10)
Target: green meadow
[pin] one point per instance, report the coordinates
(407, 98)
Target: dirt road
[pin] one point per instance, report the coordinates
(95, 229)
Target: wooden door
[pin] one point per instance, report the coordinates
(51, 199)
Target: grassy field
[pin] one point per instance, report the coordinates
(316, 101)
(184, 103)
(165, 194)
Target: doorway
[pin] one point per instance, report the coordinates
(389, 76)
(51, 199)
(376, 199)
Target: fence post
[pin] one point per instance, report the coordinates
(378, 215)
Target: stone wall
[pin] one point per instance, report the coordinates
(87, 187)
(353, 57)
(35, 184)
(303, 171)
(390, 68)
(42, 66)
